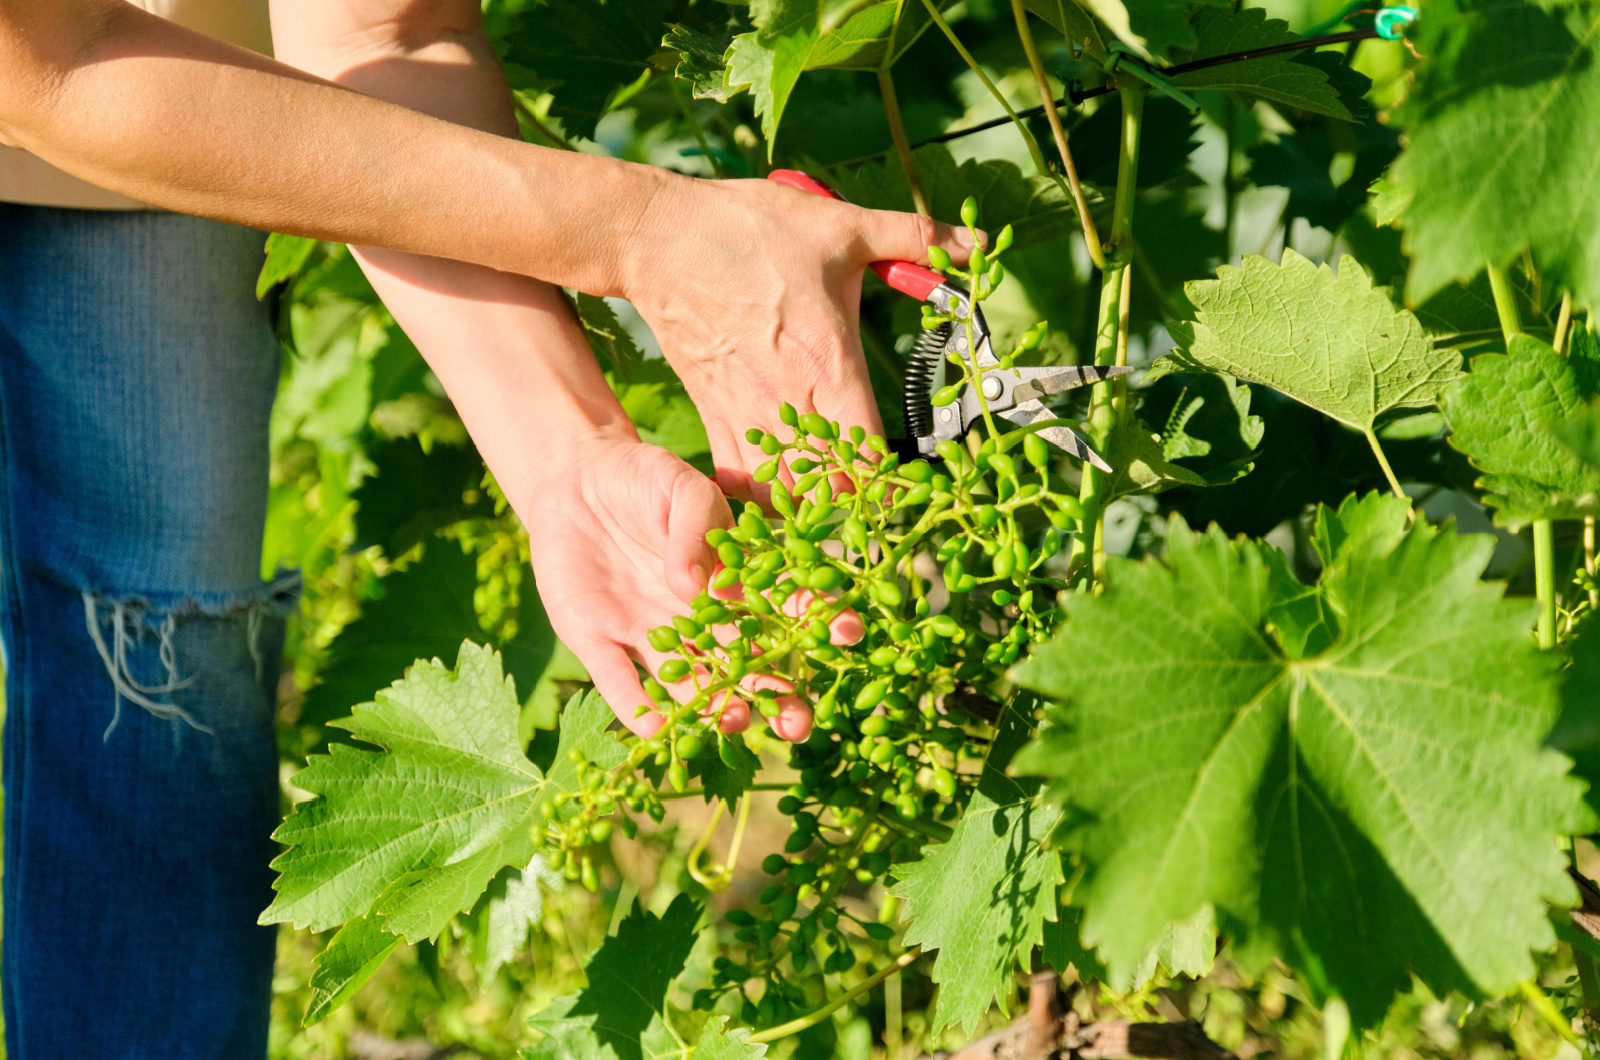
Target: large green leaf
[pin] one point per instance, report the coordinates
(982, 898)
(1378, 805)
(1302, 162)
(1501, 152)
(352, 956)
(793, 36)
(590, 49)
(425, 612)
(1278, 78)
(1334, 342)
(1503, 415)
(439, 810)
(618, 1016)
(414, 492)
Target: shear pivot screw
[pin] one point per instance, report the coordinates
(944, 414)
(991, 387)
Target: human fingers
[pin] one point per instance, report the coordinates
(793, 720)
(889, 235)
(618, 683)
(695, 506)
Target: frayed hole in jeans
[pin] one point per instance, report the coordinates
(115, 657)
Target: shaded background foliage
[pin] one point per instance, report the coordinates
(408, 548)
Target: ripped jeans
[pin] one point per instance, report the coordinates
(142, 649)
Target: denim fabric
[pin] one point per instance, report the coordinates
(137, 373)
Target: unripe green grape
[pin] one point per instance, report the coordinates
(787, 414)
(883, 658)
(945, 395)
(706, 641)
(807, 483)
(896, 703)
(686, 626)
(977, 262)
(718, 536)
(690, 745)
(908, 807)
(772, 864)
(1002, 464)
(944, 782)
(767, 471)
(770, 445)
(1002, 242)
(1037, 450)
(731, 555)
(816, 426)
(754, 435)
(945, 626)
(1024, 559)
(1002, 597)
(988, 515)
(969, 212)
(600, 831)
(882, 753)
(672, 671)
(922, 608)
(664, 638)
(1070, 506)
(871, 694)
(826, 578)
(782, 501)
(796, 842)
(875, 725)
(938, 258)
(950, 452)
(1051, 543)
(997, 273)
(853, 532)
(712, 615)
(725, 578)
(677, 776)
(916, 495)
(858, 434)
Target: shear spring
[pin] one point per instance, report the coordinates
(921, 370)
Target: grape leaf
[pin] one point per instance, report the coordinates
(1289, 792)
(1577, 731)
(1500, 146)
(1184, 947)
(793, 36)
(981, 899)
(1301, 162)
(717, 1042)
(1275, 77)
(1073, 22)
(701, 62)
(620, 1011)
(414, 492)
(446, 804)
(1502, 414)
(426, 611)
(591, 49)
(1333, 342)
(512, 909)
(584, 727)
(607, 337)
(286, 256)
(350, 959)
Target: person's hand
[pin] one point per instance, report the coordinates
(753, 290)
(618, 531)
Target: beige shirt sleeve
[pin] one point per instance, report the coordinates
(27, 179)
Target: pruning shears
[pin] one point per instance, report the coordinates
(1015, 394)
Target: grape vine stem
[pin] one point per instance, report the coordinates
(811, 1019)
(1544, 545)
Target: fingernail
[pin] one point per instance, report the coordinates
(701, 573)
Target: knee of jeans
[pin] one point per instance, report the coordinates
(206, 663)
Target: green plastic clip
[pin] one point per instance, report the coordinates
(1391, 22)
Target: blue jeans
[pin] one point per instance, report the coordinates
(137, 373)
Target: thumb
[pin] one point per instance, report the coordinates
(889, 235)
(695, 507)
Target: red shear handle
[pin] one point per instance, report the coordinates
(904, 276)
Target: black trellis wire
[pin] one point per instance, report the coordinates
(1172, 71)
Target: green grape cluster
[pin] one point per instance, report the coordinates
(944, 564)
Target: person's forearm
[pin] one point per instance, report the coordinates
(507, 348)
(136, 104)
